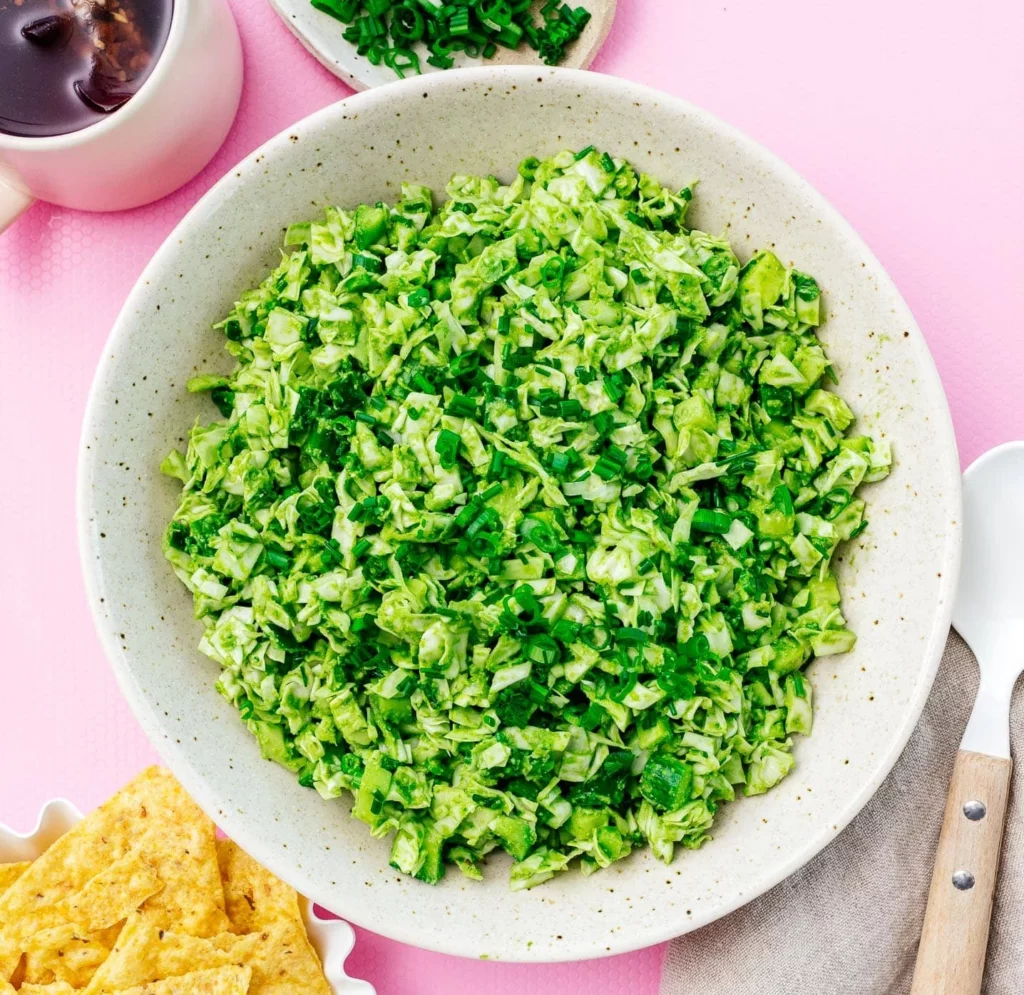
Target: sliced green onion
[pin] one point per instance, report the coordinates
(565, 630)
(613, 387)
(707, 520)
(276, 558)
(494, 469)
(542, 649)
(406, 23)
(462, 406)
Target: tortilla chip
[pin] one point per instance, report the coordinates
(253, 897)
(53, 988)
(58, 954)
(144, 953)
(9, 873)
(108, 937)
(114, 893)
(153, 816)
(231, 980)
(282, 960)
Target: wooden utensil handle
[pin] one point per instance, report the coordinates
(951, 957)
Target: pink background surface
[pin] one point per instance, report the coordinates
(907, 116)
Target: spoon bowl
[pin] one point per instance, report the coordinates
(989, 608)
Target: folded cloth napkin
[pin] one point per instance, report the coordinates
(848, 923)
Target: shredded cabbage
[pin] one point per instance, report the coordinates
(519, 521)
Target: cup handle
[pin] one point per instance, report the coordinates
(13, 203)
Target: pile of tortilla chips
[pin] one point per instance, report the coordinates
(141, 898)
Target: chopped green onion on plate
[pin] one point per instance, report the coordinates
(388, 31)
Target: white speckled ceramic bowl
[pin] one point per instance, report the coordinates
(898, 578)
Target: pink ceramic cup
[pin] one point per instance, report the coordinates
(158, 141)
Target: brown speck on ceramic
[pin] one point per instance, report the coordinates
(221, 252)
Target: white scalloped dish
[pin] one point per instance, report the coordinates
(333, 939)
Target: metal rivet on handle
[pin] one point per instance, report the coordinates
(963, 880)
(974, 810)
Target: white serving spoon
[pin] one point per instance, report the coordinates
(989, 614)
(322, 36)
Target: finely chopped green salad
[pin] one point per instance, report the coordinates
(519, 520)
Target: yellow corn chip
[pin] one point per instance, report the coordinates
(252, 895)
(231, 980)
(9, 873)
(144, 952)
(58, 954)
(282, 960)
(114, 893)
(153, 816)
(53, 988)
(108, 937)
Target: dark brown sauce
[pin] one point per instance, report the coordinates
(66, 64)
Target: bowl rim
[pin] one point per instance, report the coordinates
(238, 827)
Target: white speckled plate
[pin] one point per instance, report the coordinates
(321, 34)
(333, 939)
(898, 578)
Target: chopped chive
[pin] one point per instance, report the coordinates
(604, 422)
(616, 455)
(369, 263)
(551, 273)
(468, 513)
(497, 461)
(606, 469)
(462, 406)
(276, 558)
(630, 636)
(707, 520)
(565, 630)
(613, 387)
(484, 544)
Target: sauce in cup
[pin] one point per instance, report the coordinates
(66, 64)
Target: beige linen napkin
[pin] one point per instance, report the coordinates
(848, 923)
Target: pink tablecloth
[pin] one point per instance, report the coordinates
(906, 115)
